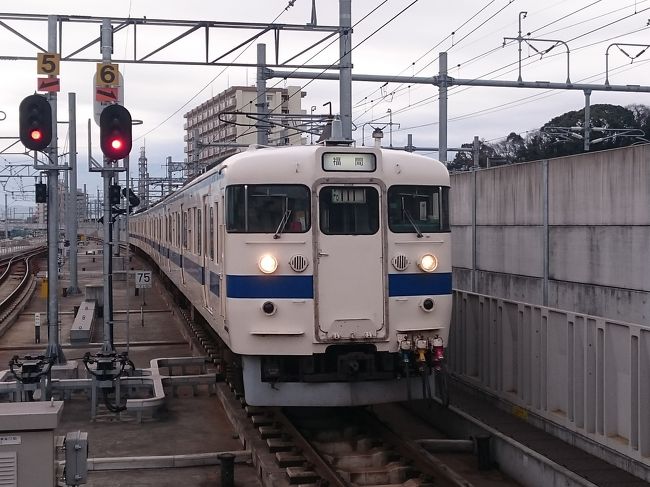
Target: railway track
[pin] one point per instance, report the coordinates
(335, 447)
(347, 447)
(17, 282)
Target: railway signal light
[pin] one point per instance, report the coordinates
(35, 122)
(114, 194)
(115, 132)
(41, 193)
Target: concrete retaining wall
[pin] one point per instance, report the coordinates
(570, 233)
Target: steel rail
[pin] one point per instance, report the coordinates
(321, 467)
(420, 458)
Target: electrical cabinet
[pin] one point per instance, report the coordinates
(27, 446)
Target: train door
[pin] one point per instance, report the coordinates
(350, 264)
(220, 253)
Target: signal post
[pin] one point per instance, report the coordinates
(115, 141)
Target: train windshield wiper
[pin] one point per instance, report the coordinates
(412, 222)
(283, 223)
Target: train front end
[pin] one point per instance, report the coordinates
(341, 290)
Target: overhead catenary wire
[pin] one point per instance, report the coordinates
(490, 51)
(370, 12)
(522, 101)
(454, 43)
(459, 89)
(438, 44)
(207, 85)
(434, 97)
(318, 75)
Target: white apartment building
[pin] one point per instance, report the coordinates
(213, 121)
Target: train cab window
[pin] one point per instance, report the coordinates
(268, 208)
(418, 209)
(348, 210)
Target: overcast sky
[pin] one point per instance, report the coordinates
(471, 31)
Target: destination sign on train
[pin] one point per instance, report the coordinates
(347, 161)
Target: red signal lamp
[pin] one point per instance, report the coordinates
(115, 132)
(36, 135)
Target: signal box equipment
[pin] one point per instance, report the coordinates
(115, 132)
(35, 121)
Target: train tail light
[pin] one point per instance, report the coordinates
(438, 350)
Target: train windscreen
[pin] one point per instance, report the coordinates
(418, 209)
(268, 208)
(349, 210)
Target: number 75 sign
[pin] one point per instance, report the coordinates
(143, 279)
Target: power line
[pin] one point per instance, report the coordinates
(318, 75)
(370, 12)
(452, 46)
(581, 9)
(434, 97)
(209, 83)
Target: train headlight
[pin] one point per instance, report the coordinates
(428, 262)
(267, 264)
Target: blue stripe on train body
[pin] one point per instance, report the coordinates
(297, 287)
(422, 284)
(301, 287)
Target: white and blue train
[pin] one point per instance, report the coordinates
(325, 270)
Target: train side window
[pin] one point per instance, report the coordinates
(415, 208)
(348, 210)
(216, 236)
(198, 231)
(211, 223)
(184, 231)
(178, 230)
(190, 228)
(268, 208)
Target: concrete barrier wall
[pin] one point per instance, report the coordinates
(570, 233)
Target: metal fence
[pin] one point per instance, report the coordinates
(585, 374)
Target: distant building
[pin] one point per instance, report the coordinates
(214, 129)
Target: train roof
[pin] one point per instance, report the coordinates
(246, 165)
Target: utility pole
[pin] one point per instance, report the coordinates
(442, 107)
(345, 80)
(72, 211)
(262, 107)
(54, 349)
(143, 172)
(587, 118)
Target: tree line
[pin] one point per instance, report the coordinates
(563, 136)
